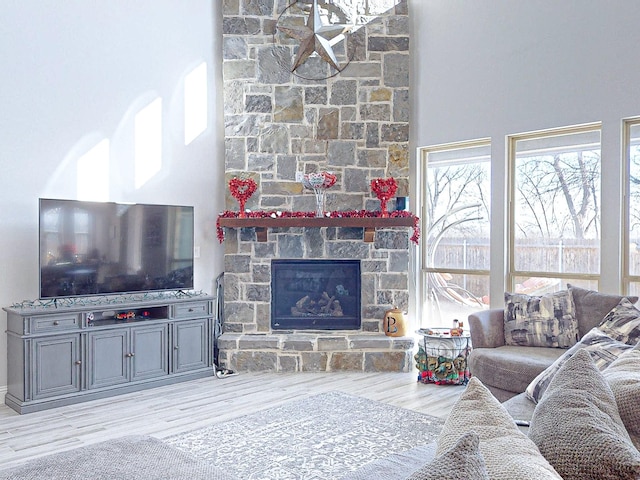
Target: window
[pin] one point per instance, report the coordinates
(632, 250)
(554, 227)
(455, 254)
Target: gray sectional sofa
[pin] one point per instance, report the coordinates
(507, 370)
(584, 407)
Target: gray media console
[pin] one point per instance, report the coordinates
(69, 354)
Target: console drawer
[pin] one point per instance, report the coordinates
(49, 323)
(190, 310)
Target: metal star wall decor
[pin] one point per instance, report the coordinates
(315, 38)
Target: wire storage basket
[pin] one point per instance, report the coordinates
(442, 358)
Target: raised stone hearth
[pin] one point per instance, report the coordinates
(277, 125)
(318, 352)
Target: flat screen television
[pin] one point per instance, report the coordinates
(101, 248)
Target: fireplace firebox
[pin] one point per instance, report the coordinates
(315, 295)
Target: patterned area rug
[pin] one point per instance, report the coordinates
(139, 457)
(321, 437)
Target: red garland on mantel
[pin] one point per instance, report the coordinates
(335, 214)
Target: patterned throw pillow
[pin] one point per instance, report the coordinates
(602, 348)
(463, 460)
(540, 321)
(623, 323)
(592, 306)
(623, 376)
(508, 453)
(577, 428)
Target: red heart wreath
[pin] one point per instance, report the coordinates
(384, 188)
(242, 190)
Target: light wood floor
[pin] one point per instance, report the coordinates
(165, 411)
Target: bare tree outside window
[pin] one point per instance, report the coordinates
(458, 205)
(555, 224)
(558, 196)
(456, 246)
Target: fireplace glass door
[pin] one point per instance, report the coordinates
(315, 295)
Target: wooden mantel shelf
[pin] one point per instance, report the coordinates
(369, 224)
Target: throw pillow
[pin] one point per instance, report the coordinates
(623, 376)
(592, 306)
(602, 348)
(507, 452)
(622, 323)
(578, 429)
(462, 461)
(540, 321)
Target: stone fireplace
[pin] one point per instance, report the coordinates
(249, 341)
(277, 126)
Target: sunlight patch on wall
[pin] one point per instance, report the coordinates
(92, 171)
(148, 142)
(195, 103)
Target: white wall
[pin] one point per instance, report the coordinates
(75, 72)
(490, 68)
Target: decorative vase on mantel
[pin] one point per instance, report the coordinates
(384, 188)
(319, 182)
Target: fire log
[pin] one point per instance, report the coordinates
(325, 306)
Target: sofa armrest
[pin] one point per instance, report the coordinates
(487, 328)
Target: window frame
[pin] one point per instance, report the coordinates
(627, 277)
(512, 140)
(422, 190)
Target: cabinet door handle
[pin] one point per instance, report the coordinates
(176, 347)
(78, 362)
(129, 355)
(56, 322)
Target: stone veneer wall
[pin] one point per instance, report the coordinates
(356, 125)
